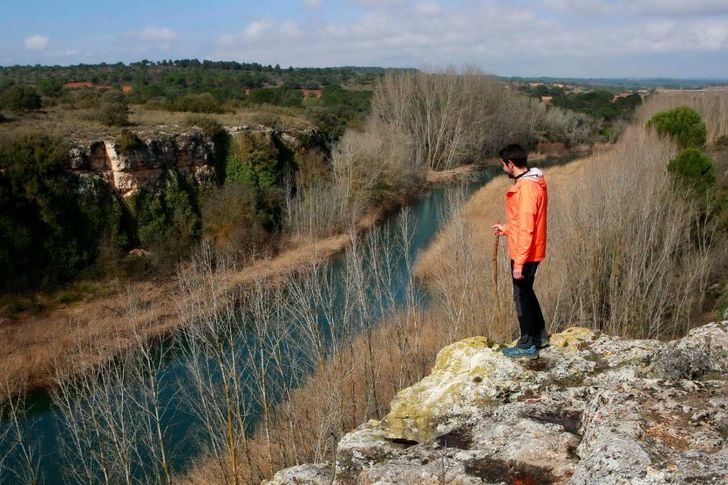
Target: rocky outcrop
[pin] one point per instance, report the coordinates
(190, 152)
(142, 165)
(592, 409)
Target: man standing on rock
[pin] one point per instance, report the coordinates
(525, 227)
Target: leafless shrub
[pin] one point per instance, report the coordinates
(568, 127)
(370, 169)
(19, 457)
(629, 253)
(452, 116)
(314, 364)
(419, 121)
(112, 424)
(231, 221)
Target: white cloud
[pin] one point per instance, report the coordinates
(313, 3)
(257, 28)
(36, 42)
(291, 29)
(654, 8)
(581, 7)
(158, 34)
(658, 7)
(226, 40)
(490, 34)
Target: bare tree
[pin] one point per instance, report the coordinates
(18, 455)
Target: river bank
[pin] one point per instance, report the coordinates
(72, 339)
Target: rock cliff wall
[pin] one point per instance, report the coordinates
(191, 153)
(593, 409)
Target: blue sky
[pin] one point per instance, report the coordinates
(582, 38)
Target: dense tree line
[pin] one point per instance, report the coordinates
(223, 79)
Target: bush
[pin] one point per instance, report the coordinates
(253, 161)
(168, 221)
(629, 103)
(722, 141)
(220, 139)
(19, 99)
(127, 142)
(81, 99)
(210, 127)
(196, 103)
(282, 96)
(683, 124)
(594, 103)
(694, 167)
(231, 221)
(51, 87)
(113, 109)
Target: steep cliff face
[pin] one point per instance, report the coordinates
(592, 409)
(191, 153)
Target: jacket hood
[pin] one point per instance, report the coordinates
(535, 175)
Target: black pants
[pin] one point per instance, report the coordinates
(528, 310)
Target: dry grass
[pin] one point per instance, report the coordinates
(627, 253)
(358, 364)
(337, 398)
(35, 348)
(80, 125)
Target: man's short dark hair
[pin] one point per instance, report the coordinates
(516, 154)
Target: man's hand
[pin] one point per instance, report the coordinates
(498, 229)
(518, 273)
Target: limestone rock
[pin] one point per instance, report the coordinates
(308, 474)
(190, 152)
(592, 409)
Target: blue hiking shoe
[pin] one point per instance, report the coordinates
(517, 352)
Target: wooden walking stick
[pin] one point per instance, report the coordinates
(495, 273)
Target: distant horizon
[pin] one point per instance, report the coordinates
(356, 66)
(595, 39)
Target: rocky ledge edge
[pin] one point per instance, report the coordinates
(592, 409)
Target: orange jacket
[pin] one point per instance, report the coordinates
(525, 224)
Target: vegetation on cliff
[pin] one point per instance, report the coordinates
(52, 222)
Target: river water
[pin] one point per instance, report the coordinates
(42, 424)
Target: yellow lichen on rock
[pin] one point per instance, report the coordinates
(414, 409)
(571, 338)
(464, 372)
(454, 356)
